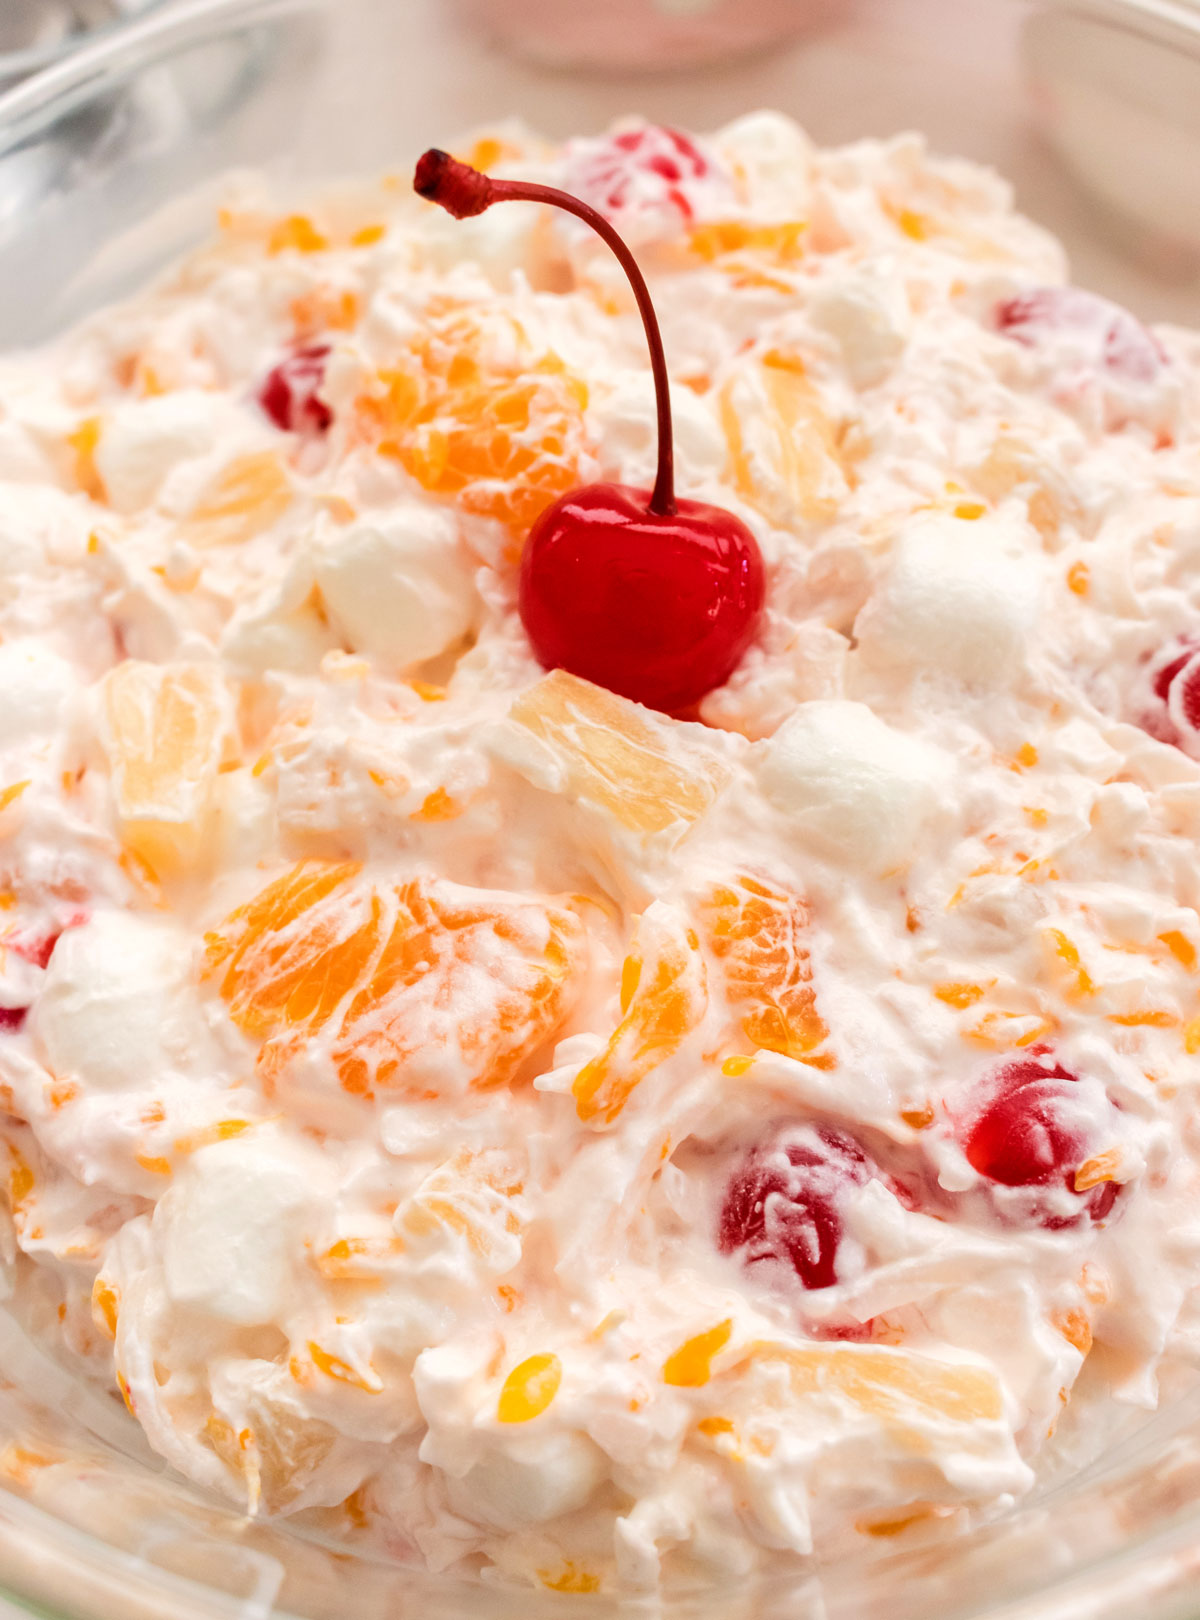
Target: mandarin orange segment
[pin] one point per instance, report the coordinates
(619, 756)
(780, 242)
(249, 497)
(529, 1388)
(782, 444)
(475, 416)
(472, 1195)
(757, 933)
(164, 731)
(664, 995)
(690, 1367)
(897, 1386)
(276, 1454)
(422, 986)
(296, 950)
(483, 976)
(271, 910)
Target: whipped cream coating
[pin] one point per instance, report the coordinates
(509, 1130)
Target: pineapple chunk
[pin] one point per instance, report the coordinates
(619, 756)
(897, 1386)
(164, 730)
(782, 445)
(249, 497)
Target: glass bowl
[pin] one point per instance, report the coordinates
(35, 33)
(110, 166)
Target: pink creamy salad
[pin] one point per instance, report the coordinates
(515, 1131)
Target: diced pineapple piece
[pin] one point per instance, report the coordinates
(249, 497)
(897, 1386)
(782, 444)
(616, 755)
(165, 728)
(664, 995)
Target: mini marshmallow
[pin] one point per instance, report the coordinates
(534, 1478)
(866, 312)
(142, 440)
(232, 1228)
(772, 158)
(853, 787)
(38, 686)
(399, 584)
(119, 1011)
(959, 596)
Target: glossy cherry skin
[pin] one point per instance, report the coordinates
(658, 609)
(783, 1201)
(1028, 1135)
(290, 392)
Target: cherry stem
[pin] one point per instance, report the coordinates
(464, 191)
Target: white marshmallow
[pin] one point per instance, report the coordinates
(623, 422)
(142, 440)
(853, 787)
(399, 584)
(867, 312)
(119, 1011)
(959, 596)
(232, 1228)
(773, 159)
(535, 1478)
(38, 686)
(500, 242)
(39, 526)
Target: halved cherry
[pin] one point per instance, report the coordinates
(784, 1201)
(615, 174)
(1094, 332)
(1033, 1133)
(1173, 713)
(290, 392)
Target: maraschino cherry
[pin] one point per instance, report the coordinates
(653, 597)
(1029, 1135)
(783, 1204)
(290, 392)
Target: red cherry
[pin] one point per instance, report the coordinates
(1174, 715)
(1101, 336)
(654, 598)
(657, 608)
(1029, 1134)
(607, 172)
(290, 393)
(37, 948)
(12, 1018)
(1177, 661)
(782, 1203)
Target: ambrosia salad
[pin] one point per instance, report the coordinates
(519, 1131)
